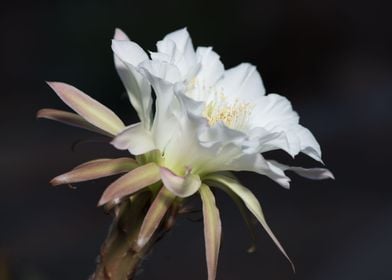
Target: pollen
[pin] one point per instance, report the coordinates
(219, 107)
(234, 115)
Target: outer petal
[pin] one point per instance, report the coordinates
(310, 173)
(90, 109)
(131, 182)
(134, 138)
(243, 82)
(70, 119)
(250, 201)
(274, 114)
(95, 169)
(127, 55)
(181, 186)
(248, 219)
(256, 163)
(154, 215)
(212, 230)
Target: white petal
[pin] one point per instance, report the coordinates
(274, 113)
(309, 144)
(182, 186)
(127, 55)
(220, 134)
(272, 110)
(160, 70)
(261, 140)
(243, 82)
(162, 76)
(129, 52)
(120, 35)
(134, 138)
(178, 50)
(212, 68)
(183, 43)
(257, 163)
(310, 173)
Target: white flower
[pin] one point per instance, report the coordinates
(206, 120)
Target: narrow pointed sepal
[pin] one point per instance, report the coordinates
(131, 182)
(250, 202)
(182, 186)
(95, 169)
(154, 216)
(69, 118)
(87, 107)
(309, 173)
(248, 218)
(212, 230)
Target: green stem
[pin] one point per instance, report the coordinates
(118, 259)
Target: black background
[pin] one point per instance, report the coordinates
(332, 59)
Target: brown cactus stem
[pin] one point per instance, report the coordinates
(119, 257)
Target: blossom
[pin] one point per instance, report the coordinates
(206, 120)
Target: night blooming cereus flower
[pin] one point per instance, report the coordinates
(206, 120)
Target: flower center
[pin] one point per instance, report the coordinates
(234, 113)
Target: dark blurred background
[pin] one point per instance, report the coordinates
(332, 59)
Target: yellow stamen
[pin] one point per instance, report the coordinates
(234, 114)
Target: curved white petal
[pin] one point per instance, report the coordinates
(260, 140)
(257, 163)
(309, 144)
(271, 110)
(179, 48)
(129, 52)
(243, 82)
(127, 55)
(162, 77)
(212, 68)
(220, 134)
(134, 138)
(274, 113)
(182, 186)
(157, 71)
